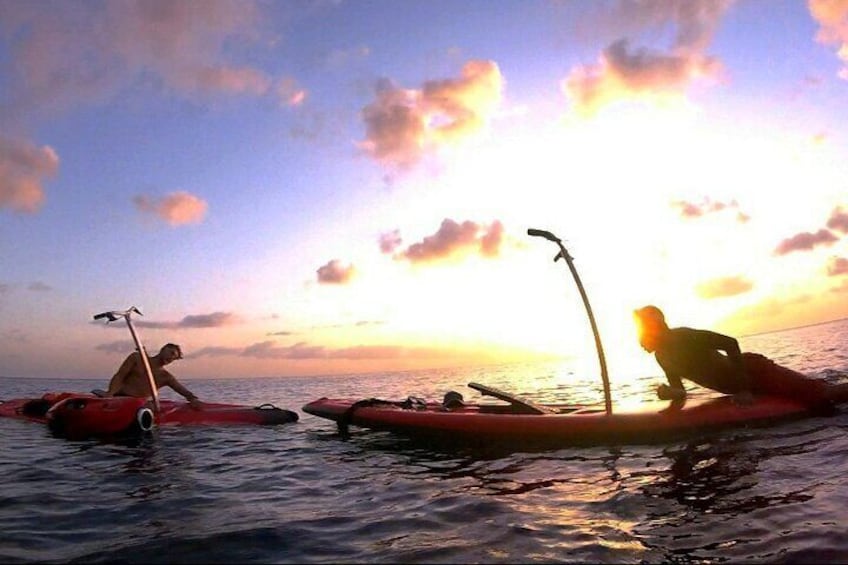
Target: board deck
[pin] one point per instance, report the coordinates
(557, 425)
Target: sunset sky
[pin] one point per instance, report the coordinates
(317, 187)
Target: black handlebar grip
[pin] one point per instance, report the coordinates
(542, 233)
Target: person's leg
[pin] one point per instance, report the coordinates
(769, 378)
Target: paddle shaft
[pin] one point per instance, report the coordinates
(563, 254)
(113, 316)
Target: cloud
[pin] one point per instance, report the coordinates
(390, 241)
(77, 52)
(805, 241)
(38, 286)
(723, 287)
(289, 92)
(838, 220)
(402, 125)
(302, 350)
(23, 170)
(625, 72)
(691, 210)
(837, 266)
(122, 346)
(335, 272)
(453, 238)
(213, 320)
(178, 208)
(832, 17)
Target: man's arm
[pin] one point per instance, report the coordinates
(734, 354)
(117, 382)
(674, 389)
(171, 381)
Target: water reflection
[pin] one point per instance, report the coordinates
(723, 475)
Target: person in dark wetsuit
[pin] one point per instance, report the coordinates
(714, 361)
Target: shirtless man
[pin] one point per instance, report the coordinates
(715, 361)
(131, 378)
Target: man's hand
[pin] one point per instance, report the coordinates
(195, 403)
(665, 392)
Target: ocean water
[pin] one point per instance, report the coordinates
(301, 494)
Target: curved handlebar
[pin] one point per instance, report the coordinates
(115, 315)
(563, 254)
(542, 233)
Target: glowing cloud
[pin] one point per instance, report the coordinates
(832, 16)
(805, 241)
(837, 266)
(23, 169)
(691, 210)
(723, 287)
(622, 72)
(453, 238)
(401, 125)
(390, 241)
(178, 208)
(335, 272)
(838, 220)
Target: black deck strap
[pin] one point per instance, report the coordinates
(37, 407)
(344, 420)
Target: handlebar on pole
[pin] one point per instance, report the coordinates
(115, 315)
(563, 254)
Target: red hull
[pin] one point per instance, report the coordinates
(79, 416)
(496, 424)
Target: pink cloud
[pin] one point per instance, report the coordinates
(23, 170)
(625, 73)
(832, 17)
(838, 220)
(402, 125)
(707, 206)
(302, 350)
(192, 321)
(335, 272)
(453, 237)
(178, 208)
(80, 52)
(724, 287)
(837, 266)
(805, 241)
(289, 93)
(390, 241)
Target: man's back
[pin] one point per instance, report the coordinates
(694, 355)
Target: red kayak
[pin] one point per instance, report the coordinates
(79, 416)
(521, 422)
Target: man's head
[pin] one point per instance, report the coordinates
(650, 326)
(170, 352)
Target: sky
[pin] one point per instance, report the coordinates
(317, 187)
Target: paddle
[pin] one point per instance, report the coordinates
(563, 254)
(115, 315)
(523, 403)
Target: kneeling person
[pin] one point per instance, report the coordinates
(131, 378)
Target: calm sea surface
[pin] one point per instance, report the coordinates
(299, 493)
